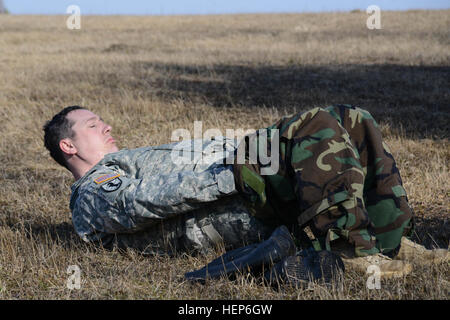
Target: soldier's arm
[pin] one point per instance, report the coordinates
(127, 205)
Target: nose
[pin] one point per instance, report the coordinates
(107, 129)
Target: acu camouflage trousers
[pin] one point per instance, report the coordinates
(335, 176)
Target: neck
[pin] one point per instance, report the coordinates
(79, 167)
(79, 172)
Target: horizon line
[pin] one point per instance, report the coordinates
(223, 13)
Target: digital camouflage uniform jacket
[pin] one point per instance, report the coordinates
(335, 175)
(162, 199)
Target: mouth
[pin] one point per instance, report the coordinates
(110, 140)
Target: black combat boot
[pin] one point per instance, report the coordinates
(251, 258)
(308, 265)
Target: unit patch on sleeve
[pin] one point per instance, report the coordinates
(112, 185)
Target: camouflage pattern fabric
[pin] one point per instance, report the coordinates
(336, 176)
(174, 197)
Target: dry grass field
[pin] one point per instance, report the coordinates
(147, 76)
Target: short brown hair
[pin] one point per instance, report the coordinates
(57, 129)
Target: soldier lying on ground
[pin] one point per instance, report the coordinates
(336, 188)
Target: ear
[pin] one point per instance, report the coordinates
(67, 146)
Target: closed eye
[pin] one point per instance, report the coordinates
(94, 124)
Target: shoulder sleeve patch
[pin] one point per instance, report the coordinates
(112, 185)
(106, 177)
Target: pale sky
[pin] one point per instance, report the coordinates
(168, 7)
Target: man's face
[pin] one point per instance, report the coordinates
(92, 139)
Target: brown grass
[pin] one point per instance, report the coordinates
(147, 76)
